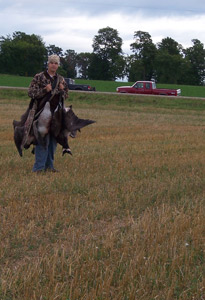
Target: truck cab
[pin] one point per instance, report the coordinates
(78, 87)
(144, 87)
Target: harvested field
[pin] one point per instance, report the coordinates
(124, 218)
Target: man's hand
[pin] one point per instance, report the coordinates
(61, 86)
(48, 88)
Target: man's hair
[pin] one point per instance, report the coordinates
(54, 58)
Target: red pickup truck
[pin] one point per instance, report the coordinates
(147, 87)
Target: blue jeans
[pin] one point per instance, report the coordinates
(44, 156)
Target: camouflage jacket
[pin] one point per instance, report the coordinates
(37, 89)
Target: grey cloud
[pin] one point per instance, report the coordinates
(148, 7)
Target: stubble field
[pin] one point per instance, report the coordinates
(124, 218)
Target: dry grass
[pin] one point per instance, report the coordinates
(123, 220)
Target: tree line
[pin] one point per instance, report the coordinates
(165, 62)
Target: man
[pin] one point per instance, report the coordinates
(47, 86)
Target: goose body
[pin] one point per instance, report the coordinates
(61, 124)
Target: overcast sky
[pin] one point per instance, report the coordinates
(72, 24)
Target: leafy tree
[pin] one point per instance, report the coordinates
(69, 63)
(52, 49)
(83, 63)
(107, 50)
(170, 46)
(168, 67)
(186, 73)
(144, 56)
(98, 68)
(22, 54)
(168, 61)
(135, 69)
(196, 56)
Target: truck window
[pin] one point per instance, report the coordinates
(140, 85)
(147, 86)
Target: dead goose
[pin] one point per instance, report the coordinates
(62, 124)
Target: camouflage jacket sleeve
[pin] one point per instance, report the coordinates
(37, 88)
(65, 90)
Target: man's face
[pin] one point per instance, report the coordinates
(52, 67)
